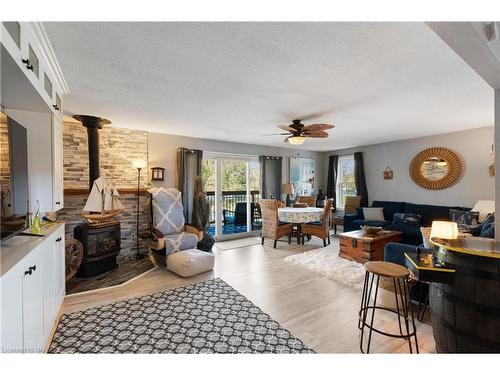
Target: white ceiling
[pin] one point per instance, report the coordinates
(375, 82)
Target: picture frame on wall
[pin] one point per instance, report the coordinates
(303, 175)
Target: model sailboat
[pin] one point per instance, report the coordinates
(102, 203)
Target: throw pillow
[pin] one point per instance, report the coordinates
(484, 226)
(406, 218)
(488, 227)
(464, 217)
(373, 213)
(426, 235)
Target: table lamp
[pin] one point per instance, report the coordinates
(446, 230)
(288, 189)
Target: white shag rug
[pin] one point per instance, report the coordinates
(327, 262)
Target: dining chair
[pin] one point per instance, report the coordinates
(310, 200)
(271, 226)
(352, 202)
(321, 228)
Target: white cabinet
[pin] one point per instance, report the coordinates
(32, 293)
(57, 164)
(32, 287)
(28, 45)
(11, 289)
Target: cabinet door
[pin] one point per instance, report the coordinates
(11, 314)
(48, 286)
(33, 337)
(57, 164)
(59, 269)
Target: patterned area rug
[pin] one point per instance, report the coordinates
(207, 317)
(327, 262)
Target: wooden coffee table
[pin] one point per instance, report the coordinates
(361, 248)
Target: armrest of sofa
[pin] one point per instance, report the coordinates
(394, 252)
(349, 218)
(190, 229)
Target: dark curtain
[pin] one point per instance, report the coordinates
(188, 167)
(270, 176)
(331, 186)
(359, 178)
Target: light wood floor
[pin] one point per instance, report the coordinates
(319, 311)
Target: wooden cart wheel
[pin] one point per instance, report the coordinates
(74, 257)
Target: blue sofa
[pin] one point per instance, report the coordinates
(411, 232)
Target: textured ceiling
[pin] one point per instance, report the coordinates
(375, 82)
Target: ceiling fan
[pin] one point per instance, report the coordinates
(298, 132)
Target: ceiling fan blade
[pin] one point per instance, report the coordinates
(316, 127)
(286, 139)
(286, 127)
(265, 135)
(316, 134)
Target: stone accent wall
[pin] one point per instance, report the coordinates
(4, 155)
(71, 215)
(118, 148)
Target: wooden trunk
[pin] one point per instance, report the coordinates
(358, 247)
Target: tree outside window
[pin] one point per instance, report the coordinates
(346, 185)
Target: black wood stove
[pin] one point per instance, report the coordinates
(101, 241)
(101, 245)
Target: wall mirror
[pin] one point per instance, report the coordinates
(436, 168)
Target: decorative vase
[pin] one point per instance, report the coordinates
(36, 225)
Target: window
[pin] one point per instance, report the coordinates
(345, 179)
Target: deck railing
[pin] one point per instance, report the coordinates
(229, 200)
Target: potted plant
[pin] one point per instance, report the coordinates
(201, 215)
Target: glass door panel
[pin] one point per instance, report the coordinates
(209, 187)
(234, 194)
(254, 181)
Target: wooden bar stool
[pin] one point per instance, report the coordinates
(404, 311)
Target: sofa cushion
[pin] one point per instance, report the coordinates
(168, 213)
(180, 241)
(411, 232)
(373, 213)
(428, 213)
(390, 208)
(190, 262)
(406, 218)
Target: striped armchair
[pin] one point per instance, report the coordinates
(271, 226)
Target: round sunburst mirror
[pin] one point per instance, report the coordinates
(436, 168)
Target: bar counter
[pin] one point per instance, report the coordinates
(466, 313)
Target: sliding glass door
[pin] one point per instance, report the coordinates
(232, 187)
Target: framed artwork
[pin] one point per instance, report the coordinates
(302, 175)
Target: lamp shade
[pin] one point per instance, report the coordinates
(287, 189)
(447, 230)
(139, 164)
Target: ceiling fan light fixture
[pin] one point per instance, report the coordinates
(296, 140)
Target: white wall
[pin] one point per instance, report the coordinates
(474, 147)
(162, 150)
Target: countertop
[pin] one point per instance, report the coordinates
(485, 247)
(16, 248)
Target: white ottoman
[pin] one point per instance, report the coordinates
(190, 262)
